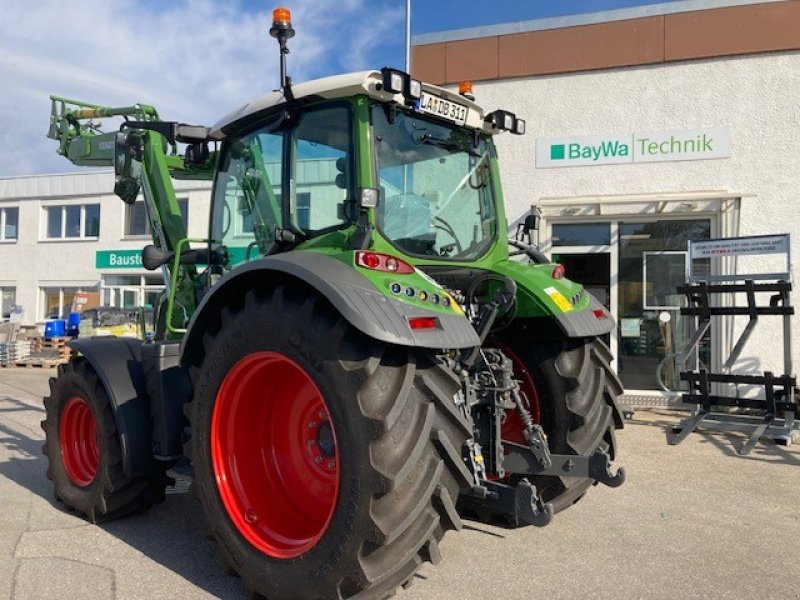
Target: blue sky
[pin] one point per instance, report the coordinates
(196, 60)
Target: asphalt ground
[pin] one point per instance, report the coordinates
(692, 521)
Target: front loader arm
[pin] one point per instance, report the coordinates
(75, 127)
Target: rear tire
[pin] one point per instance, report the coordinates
(83, 449)
(577, 390)
(397, 450)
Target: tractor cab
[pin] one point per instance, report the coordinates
(372, 159)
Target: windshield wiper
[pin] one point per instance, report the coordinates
(427, 138)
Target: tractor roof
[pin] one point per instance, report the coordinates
(337, 86)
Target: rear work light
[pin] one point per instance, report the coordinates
(423, 322)
(376, 261)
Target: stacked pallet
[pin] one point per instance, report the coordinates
(46, 353)
(10, 353)
(53, 348)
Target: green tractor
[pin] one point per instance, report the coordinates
(354, 357)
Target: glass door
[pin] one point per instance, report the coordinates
(652, 262)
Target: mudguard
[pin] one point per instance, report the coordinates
(118, 363)
(352, 294)
(593, 321)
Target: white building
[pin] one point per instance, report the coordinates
(721, 73)
(69, 233)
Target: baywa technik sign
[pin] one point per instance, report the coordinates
(661, 146)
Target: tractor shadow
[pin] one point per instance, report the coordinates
(171, 534)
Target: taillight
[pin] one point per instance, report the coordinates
(558, 271)
(599, 313)
(422, 322)
(382, 262)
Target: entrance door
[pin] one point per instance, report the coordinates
(652, 263)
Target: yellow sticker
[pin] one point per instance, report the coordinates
(559, 298)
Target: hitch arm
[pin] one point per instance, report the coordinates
(520, 460)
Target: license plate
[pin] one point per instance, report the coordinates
(433, 105)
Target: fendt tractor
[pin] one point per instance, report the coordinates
(355, 357)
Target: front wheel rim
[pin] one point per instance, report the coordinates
(274, 454)
(77, 431)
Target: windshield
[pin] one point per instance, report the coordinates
(436, 195)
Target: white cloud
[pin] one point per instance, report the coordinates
(195, 60)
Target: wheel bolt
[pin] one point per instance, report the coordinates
(250, 516)
(312, 424)
(322, 414)
(331, 465)
(311, 442)
(318, 459)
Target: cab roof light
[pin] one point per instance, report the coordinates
(393, 80)
(398, 82)
(376, 261)
(465, 89)
(414, 89)
(503, 120)
(423, 323)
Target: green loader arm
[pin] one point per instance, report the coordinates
(81, 141)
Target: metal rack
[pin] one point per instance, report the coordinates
(775, 414)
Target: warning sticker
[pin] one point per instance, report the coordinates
(559, 298)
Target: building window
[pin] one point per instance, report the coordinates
(131, 291)
(9, 224)
(136, 223)
(75, 221)
(57, 301)
(8, 298)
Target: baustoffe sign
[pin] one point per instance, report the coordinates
(658, 146)
(118, 259)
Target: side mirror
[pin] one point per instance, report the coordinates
(127, 162)
(153, 257)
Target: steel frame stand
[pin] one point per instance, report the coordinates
(775, 415)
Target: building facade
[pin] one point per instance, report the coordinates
(646, 128)
(69, 233)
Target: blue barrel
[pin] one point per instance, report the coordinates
(55, 328)
(73, 324)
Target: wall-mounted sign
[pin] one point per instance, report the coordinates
(756, 244)
(658, 146)
(118, 259)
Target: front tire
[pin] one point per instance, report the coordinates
(355, 447)
(83, 449)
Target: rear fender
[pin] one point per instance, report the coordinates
(118, 364)
(351, 294)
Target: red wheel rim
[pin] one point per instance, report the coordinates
(273, 451)
(77, 434)
(512, 429)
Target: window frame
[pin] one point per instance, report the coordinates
(45, 237)
(289, 171)
(273, 116)
(4, 221)
(491, 188)
(183, 204)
